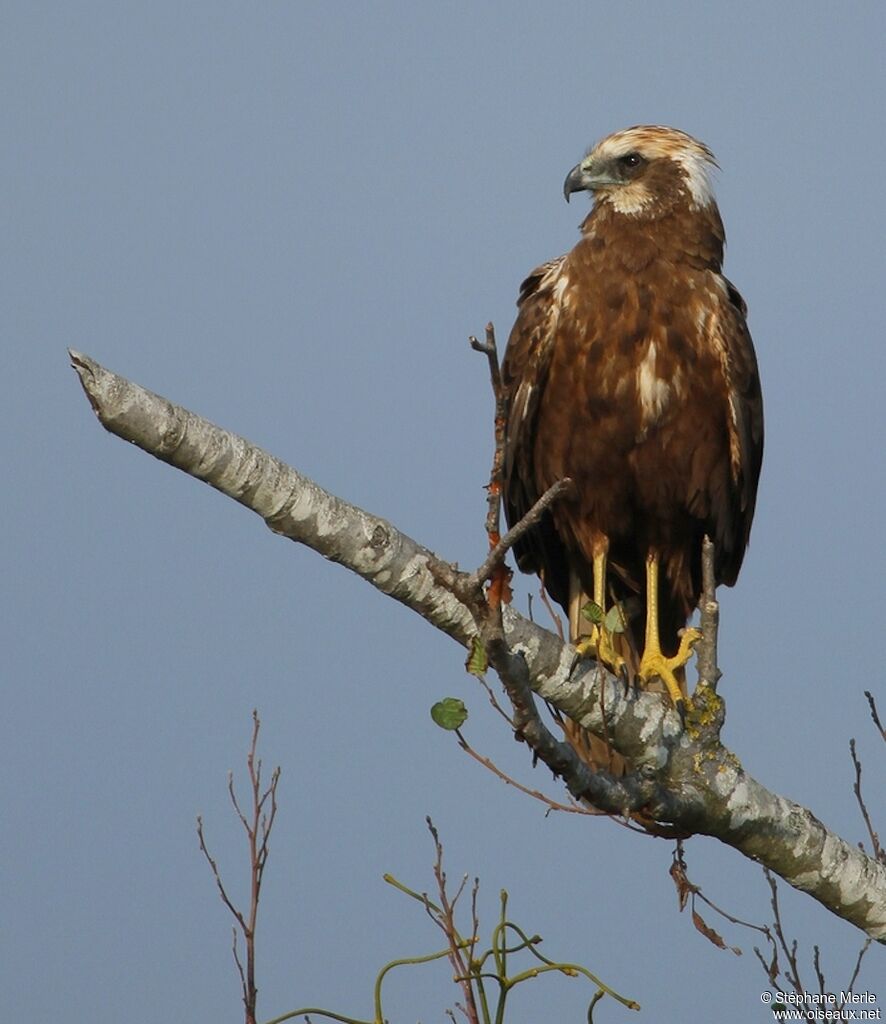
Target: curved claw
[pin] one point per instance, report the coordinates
(654, 663)
(599, 645)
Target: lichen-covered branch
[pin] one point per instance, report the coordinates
(683, 778)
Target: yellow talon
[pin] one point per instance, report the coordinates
(654, 664)
(599, 643)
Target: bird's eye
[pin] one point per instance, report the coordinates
(631, 160)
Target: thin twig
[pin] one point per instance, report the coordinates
(493, 514)
(445, 919)
(792, 973)
(216, 874)
(518, 530)
(708, 669)
(866, 945)
(874, 714)
(555, 618)
(258, 830)
(534, 793)
(878, 851)
(244, 987)
(816, 964)
(493, 700)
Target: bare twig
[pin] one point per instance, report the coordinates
(816, 966)
(552, 805)
(499, 575)
(217, 876)
(496, 556)
(472, 972)
(493, 515)
(706, 649)
(874, 715)
(878, 850)
(244, 984)
(493, 700)
(866, 945)
(555, 618)
(778, 943)
(258, 830)
(444, 917)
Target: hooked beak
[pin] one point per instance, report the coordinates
(584, 177)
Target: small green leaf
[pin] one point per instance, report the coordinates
(615, 620)
(592, 612)
(477, 662)
(449, 713)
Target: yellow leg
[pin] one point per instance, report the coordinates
(599, 642)
(654, 663)
(600, 579)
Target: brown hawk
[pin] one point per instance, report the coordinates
(630, 369)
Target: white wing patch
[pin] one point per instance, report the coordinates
(654, 391)
(560, 286)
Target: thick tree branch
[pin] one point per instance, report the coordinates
(684, 778)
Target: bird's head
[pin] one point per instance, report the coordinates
(645, 170)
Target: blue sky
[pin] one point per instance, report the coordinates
(289, 217)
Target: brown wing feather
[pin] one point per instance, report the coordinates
(732, 340)
(524, 373)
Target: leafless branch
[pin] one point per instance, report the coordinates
(685, 778)
(493, 514)
(552, 805)
(217, 876)
(555, 618)
(444, 917)
(706, 649)
(878, 850)
(874, 715)
(244, 985)
(493, 700)
(520, 529)
(258, 830)
(779, 945)
(777, 941)
(866, 945)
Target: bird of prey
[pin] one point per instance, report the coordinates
(630, 370)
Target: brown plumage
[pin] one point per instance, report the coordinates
(630, 369)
